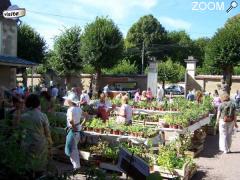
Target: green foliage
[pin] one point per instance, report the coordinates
(123, 67)
(222, 52)
(30, 45)
(148, 30)
(14, 160)
(236, 70)
(88, 69)
(102, 43)
(65, 58)
(170, 159)
(170, 71)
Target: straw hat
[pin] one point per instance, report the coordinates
(72, 97)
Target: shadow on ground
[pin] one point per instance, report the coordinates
(210, 147)
(199, 175)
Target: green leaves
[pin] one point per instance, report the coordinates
(169, 71)
(30, 45)
(65, 59)
(124, 67)
(102, 43)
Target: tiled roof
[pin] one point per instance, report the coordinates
(15, 61)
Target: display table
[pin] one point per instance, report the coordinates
(148, 111)
(120, 138)
(175, 133)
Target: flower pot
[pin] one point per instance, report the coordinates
(140, 134)
(180, 127)
(121, 132)
(166, 125)
(102, 130)
(111, 131)
(116, 132)
(175, 126)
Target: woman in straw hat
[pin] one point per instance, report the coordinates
(226, 119)
(74, 114)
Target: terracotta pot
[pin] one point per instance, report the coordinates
(175, 126)
(140, 134)
(166, 125)
(121, 132)
(102, 131)
(116, 132)
(180, 127)
(171, 126)
(111, 131)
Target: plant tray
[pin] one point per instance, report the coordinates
(184, 174)
(195, 152)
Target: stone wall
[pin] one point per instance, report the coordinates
(7, 77)
(83, 81)
(8, 35)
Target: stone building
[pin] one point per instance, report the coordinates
(9, 61)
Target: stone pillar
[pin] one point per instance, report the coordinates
(190, 74)
(152, 77)
(191, 66)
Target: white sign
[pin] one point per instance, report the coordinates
(14, 12)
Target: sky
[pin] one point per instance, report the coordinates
(199, 18)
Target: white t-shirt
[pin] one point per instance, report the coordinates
(76, 113)
(159, 93)
(127, 111)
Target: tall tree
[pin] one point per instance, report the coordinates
(144, 38)
(181, 46)
(65, 58)
(30, 46)
(170, 72)
(102, 45)
(223, 52)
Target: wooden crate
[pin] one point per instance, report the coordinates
(184, 174)
(195, 151)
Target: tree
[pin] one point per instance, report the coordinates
(170, 72)
(146, 34)
(223, 51)
(199, 49)
(102, 45)
(123, 67)
(30, 46)
(181, 46)
(65, 58)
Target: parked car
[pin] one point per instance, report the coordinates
(175, 89)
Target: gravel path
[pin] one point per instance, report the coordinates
(216, 166)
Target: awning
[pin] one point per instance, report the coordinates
(15, 61)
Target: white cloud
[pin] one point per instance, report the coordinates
(174, 23)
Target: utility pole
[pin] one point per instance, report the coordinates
(143, 49)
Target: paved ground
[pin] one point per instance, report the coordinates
(216, 166)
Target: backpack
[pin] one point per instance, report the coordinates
(228, 112)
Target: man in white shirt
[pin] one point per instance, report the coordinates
(84, 98)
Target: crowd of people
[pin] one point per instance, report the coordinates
(29, 108)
